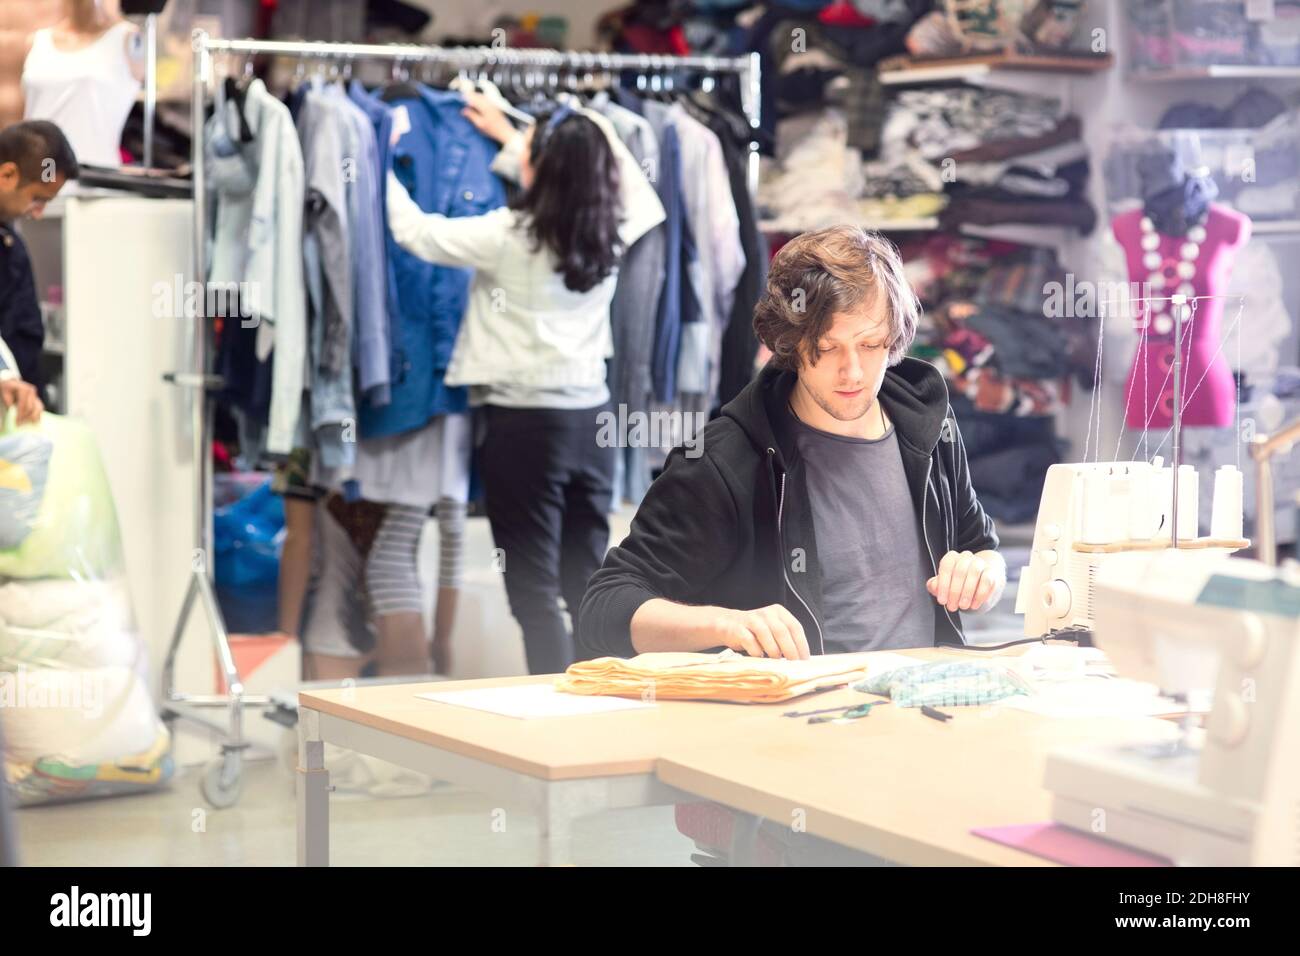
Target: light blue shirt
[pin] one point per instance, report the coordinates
(369, 258)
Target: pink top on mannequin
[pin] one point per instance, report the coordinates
(1213, 402)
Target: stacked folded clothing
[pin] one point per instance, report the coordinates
(815, 179)
(727, 676)
(809, 58)
(946, 120)
(995, 157)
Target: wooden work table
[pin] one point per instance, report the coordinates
(895, 784)
(558, 748)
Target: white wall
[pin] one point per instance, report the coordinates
(475, 18)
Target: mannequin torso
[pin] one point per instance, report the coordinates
(1149, 389)
(83, 74)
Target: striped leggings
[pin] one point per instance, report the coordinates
(368, 566)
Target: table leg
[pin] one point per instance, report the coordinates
(553, 838)
(744, 839)
(313, 786)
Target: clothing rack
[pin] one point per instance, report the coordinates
(221, 783)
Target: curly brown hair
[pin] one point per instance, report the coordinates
(817, 274)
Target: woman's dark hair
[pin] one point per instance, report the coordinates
(573, 204)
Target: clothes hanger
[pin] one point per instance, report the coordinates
(462, 83)
(235, 92)
(537, 84)
(659, 80)
(401, 88)
(657, 88)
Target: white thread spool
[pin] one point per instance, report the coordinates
(1226, 509)
(1188, 503)
(1141, 516)
(1095, 527)
(1118, 492)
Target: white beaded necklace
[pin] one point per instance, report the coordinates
(1189, 251)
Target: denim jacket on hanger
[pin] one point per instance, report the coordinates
(443, 163)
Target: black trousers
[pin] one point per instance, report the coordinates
(547, 486)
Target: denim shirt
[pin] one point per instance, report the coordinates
(381, 118)
(443, 163)
(370, 348)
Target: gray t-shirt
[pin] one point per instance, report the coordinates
(868, 544)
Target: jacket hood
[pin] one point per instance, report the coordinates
(913, 393)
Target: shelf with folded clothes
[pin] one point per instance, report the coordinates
(1008, 165)
(1029, 234)
(981, 67)
(1223, 71)
(921, 224)
(1191, 39)
(961, 159)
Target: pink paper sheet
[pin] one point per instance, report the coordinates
(1062, 844)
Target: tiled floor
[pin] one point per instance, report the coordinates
(449, 827)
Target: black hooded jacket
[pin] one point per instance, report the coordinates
(733, 526)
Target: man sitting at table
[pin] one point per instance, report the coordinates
(831, 508)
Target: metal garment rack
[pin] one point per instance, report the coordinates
(221, 782)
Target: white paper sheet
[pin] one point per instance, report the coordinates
(881, 662)
(1095, 697)
(528, 701)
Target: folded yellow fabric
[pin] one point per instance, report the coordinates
(726, 676)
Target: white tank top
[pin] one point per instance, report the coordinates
(87, 93)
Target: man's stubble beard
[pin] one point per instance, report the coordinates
(828, 405)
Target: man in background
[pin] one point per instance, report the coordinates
(35, 162)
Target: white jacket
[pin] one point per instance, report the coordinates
(522, 326)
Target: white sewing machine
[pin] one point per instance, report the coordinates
(1091, 512)
(1225, 794)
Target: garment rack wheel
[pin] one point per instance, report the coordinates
(223, 778)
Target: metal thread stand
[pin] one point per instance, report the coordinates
(222, 780)
(1179, 303)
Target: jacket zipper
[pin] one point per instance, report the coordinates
(780, 534)
(925, 506)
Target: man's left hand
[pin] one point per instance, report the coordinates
(969, 581)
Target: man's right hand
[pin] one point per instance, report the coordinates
(17, 392)
(770, 631)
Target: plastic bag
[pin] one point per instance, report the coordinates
(78, 716)
(248, 534)
(945, 684)
(56, 509)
